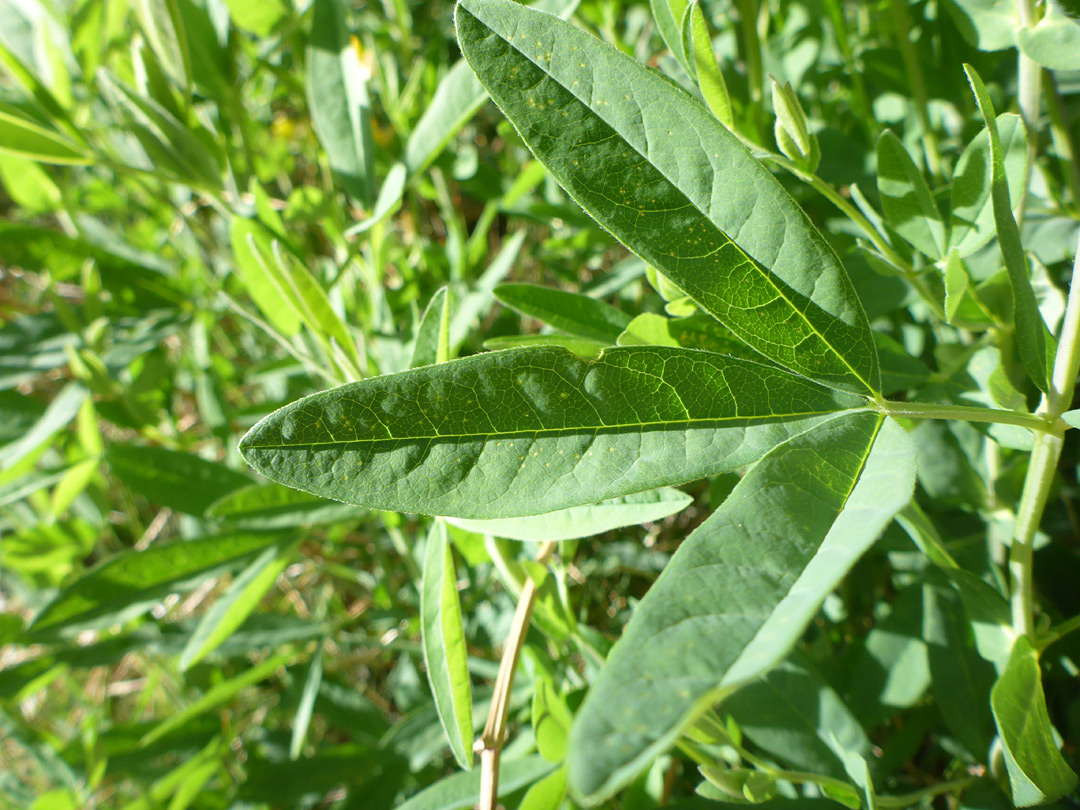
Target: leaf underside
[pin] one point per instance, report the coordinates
(739, 591)
(528, 431)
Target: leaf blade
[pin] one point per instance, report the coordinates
(739, 591)
(443, 640)
(527, 431)
(1037, 771)
(600, 122)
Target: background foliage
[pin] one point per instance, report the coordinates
(215, 207)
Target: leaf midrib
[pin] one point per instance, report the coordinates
(762, 270)
(576, 428)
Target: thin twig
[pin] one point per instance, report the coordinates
(491, 740)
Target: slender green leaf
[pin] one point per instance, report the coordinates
(710, 79)
(463, 789)
(172, 478)
(390, 192)
(658, 171)
(63, 408)
(457, 99)
(1037, 771)
(584, 521)
(739, 591)
(962, 680)
(217, 695)
(909, 206)
(1035, 344)
(971, 208)
(569, 312)
(236, 604)
(249, 243)
(131, 580)
(163, 28)
(582, 347)
(668, 15)
(546, 794)
(551, 720)
(26, 139)
(338, 98)
(295, 283)
(307, 704)
(433, 334)
(272, 506)
(527, 431)
(443, 637)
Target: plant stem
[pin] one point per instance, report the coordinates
(1041, 424)
(1062, 139)
(1044, 459)
(918, 84)
(1028, 80)
(491, 740)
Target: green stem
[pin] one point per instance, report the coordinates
(969, 413)
(918, 84)
(1044, 459)
(1029, 78)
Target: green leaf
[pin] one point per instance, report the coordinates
(388, 201)
(583, 521)
(236, 604)
(1072, 418)
(989, 25)
(443, 638)
(739, 591)
(256, 16)
(583, 347)
(667, 179)
(178, 480)
(302, 720)
(1054, 42)
(463, 789)
(24, 138)
(338, 99)
(972, 210)
(528, 431)
(163, 28)
(1034, 342)
(29, 185)
(710, 79)
(569, 312)
(962, 680)
(131, 580)
(909, 206)
(433, 334)
(457, 99)
(249, 243)
(217, 695)
(296, 285)
(1037, 771)
(271, 506)
(668, 15)
(546, 794)
(62, 409)
(551, 720)
(793, 713)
